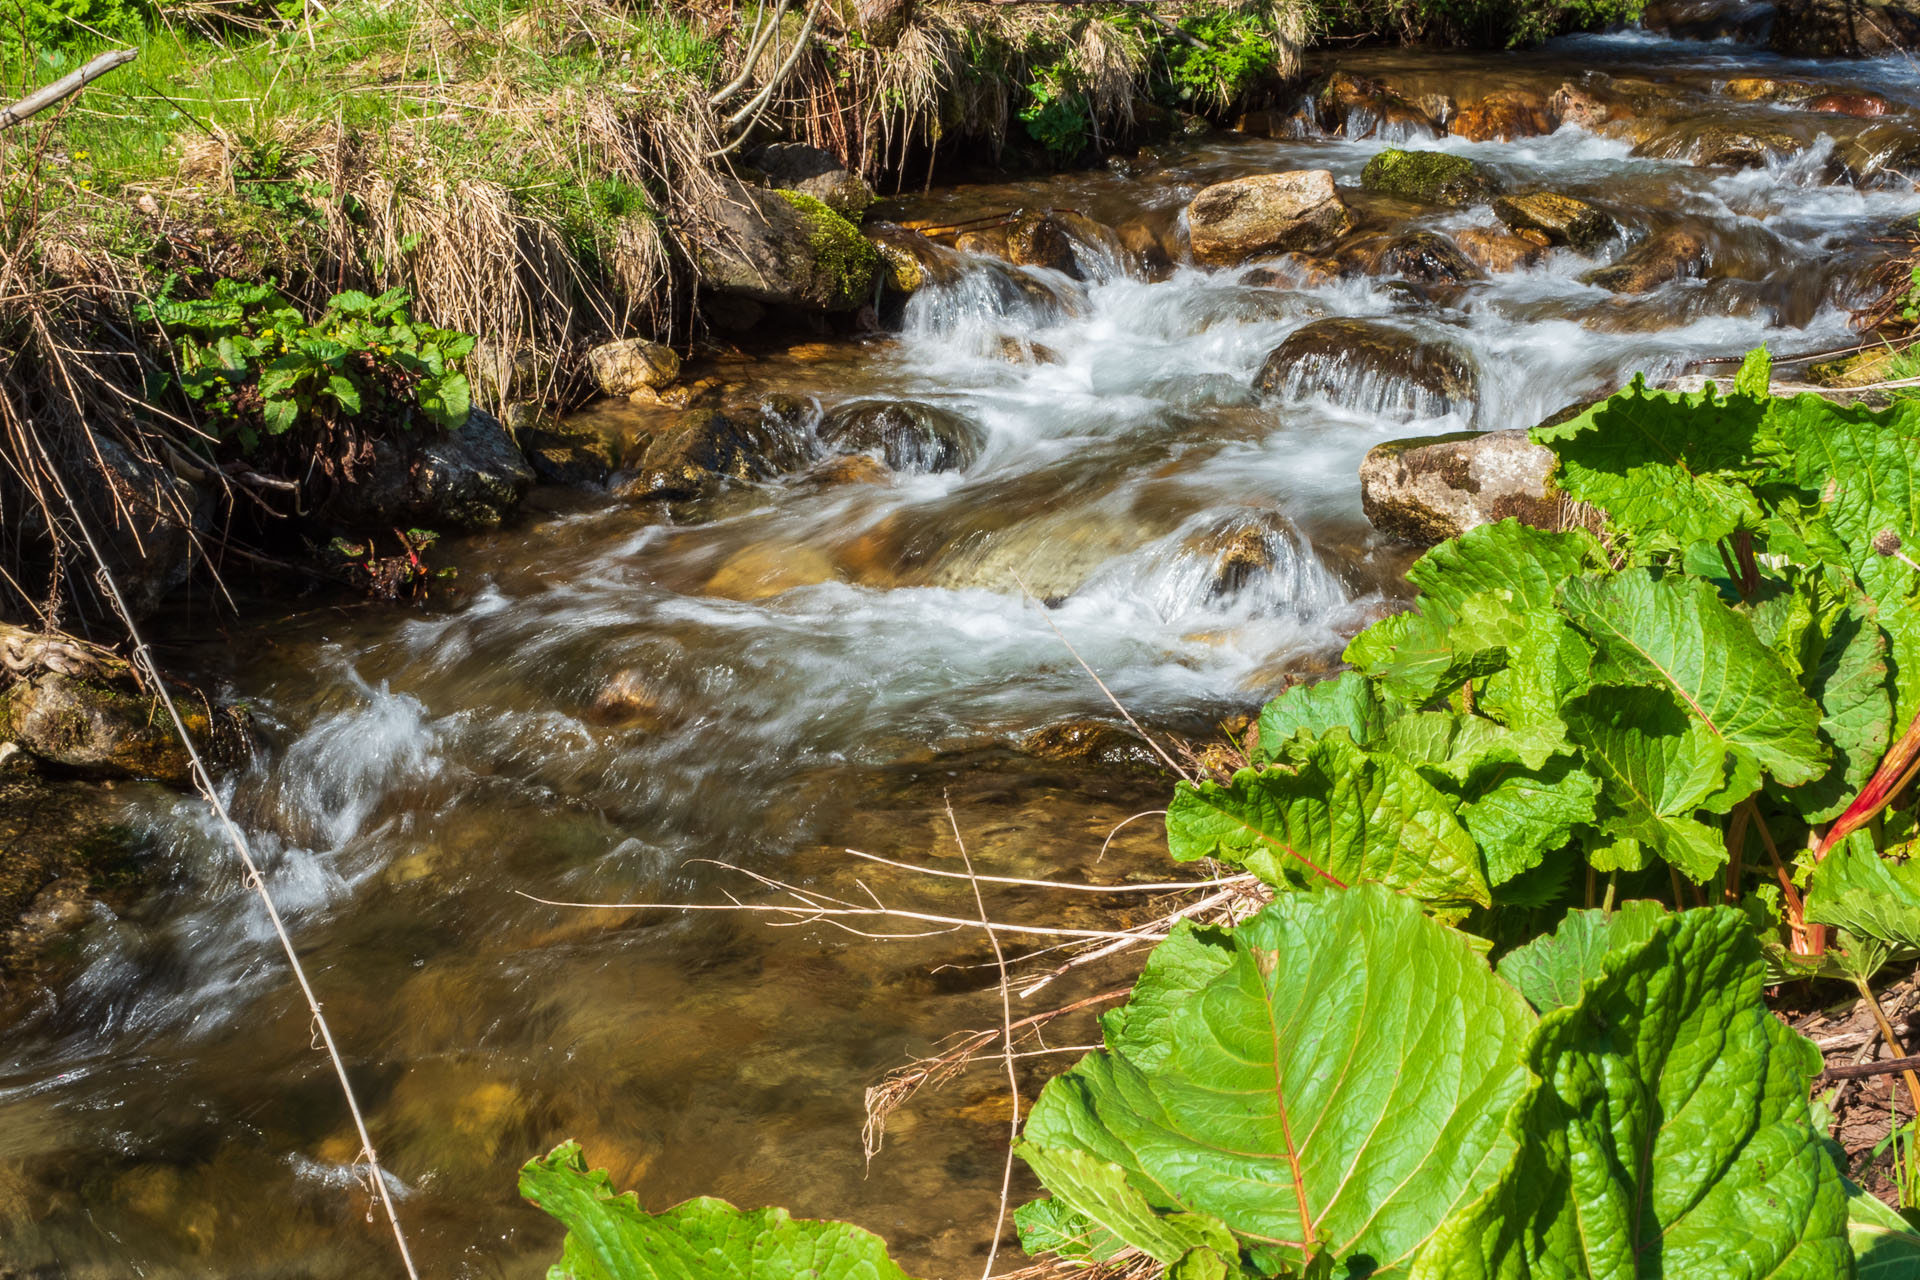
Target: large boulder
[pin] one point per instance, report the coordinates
(1371, 366)
(468, 480)
(784, 248)
(1431, 488)
(1428, 177)
(632, 364)
(907, 434)
(1845, 28)
(793, 166)
(1230, 222)
(1561, 219)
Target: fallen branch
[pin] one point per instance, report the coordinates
(66, 86)
(1859, 1070)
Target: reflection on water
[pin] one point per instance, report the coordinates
(621, 702)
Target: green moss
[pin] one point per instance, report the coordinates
(1432, 177)
(840, 252)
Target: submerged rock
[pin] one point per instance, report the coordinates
(1371, 366)
(560, 452)
(907, 434)
(1093, 741)
(702, 449)
(1431, 488)
(1562, 219)
(1430, 177)
(1357, 107)
(1268, 213)
(1672, 253)
(631, 364)
(763, 570)
(784, 248)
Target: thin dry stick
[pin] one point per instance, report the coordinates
(810, 913)
(1006, 1047)
(203, 783)
(1108, 842)
(1171, 887)
(1145, 737)
(1893, 1041)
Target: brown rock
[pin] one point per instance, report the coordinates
(851, 468)
(1357, 107)
(1067, 242)
(1428, 258)
(1502, 117)
(909, 435)
(1845, 28)
(632, 364)
(1850, 104)
(1767, 89)
(988, 242)
(1561, 219)
(1094, 741)
(1494, 250)
(1573, 105)
(764, 570)
(1672, 253)
(1270, 213)
(1149, 243)
(1370, 365)
(1432, 488)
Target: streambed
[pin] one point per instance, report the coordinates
(626, 696)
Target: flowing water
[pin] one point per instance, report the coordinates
(620, 702)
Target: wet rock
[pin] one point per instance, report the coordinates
(1242, 549)
(909, 435)
(988, 242)
(768, 569)
(631, 364)
(1269, 213)
(783, 248)
(560, 452)
(1862, 105)
(1495, 250)
(851, 468)
(909, 261)
(1845, 28)
(1357, 107)
(99, 725)
(1672, 253)
(793, 166)
(1570, 104)
(1371, 366)
(1721, 144)
(1767, 89)
(1431, 488)
(1149, 243)
(1429, 177)
(1067, 242)
(468, 480)
(1428, 258)
(630, 699)
(1561, 219)
(1091, 741)
(730, 313)
(1026, 351)
(1501, 117)
(703, 448)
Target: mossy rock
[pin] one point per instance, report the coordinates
(841, 255)
(1428, 177)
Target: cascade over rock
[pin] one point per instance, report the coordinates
(1270, 213)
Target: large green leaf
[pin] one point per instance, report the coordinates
(1863, 469)
(1657, 766)
(1551, 970)
(1548, 665)
(1349, 700)
(1334, 1089)
(1669, 470)
(1885, 1245)
(1344, 816)
(1518, 815)
(1850, 685)
(1677, 633)
(1865, 893)
(1669, 1132)
(610, 1237)
(1518, 563)
(1434, 649)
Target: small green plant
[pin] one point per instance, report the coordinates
(256, 366)
(1057, 115)
(1235, 55)
(1903, 1140)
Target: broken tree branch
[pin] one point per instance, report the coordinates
(66, 86)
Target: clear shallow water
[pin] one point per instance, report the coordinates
(811, 668)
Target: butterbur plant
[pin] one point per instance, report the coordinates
(256, 366)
